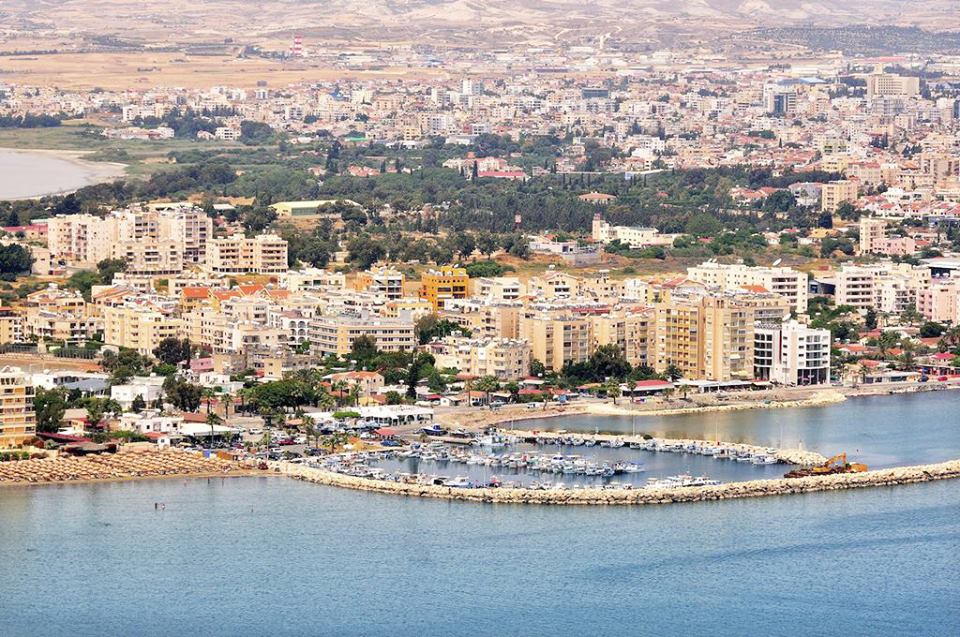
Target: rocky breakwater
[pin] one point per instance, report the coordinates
(800, 457)
(728, 491)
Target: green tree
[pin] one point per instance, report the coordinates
(15, 259)
(487, 385)
(172, 351)
(138, 404)
(50, 406)
(181, 394)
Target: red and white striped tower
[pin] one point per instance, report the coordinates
(296, 49)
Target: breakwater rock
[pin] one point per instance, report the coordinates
(728, 491)
(801, 457)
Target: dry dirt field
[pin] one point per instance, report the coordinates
(112, 71)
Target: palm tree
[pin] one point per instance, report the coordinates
(488, 384)
(863, 370)
(213, 420)
(339, 386)
(207, 394)
(632, 386)
(355, 392)
(908, 358)
(886, 341)
(950, 339)
(311, 430)
(612, 389)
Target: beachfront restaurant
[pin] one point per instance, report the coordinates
(385, 415)
(199, 432)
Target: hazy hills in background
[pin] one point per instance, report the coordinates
(463, 22)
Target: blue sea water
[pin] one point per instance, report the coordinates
(881, 431)
(271, 556)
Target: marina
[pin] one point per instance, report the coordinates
(502, 459)
(880, 431)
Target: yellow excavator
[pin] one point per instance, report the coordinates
(836, 464)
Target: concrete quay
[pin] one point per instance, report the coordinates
(639, 496)
(800, 457)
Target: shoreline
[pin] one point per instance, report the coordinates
(90, 172)
(242, 473)
(818, 398)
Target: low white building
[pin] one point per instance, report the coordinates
(151, 422)
(150, 388)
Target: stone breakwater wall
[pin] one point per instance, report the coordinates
(729, 491)
(788, 456)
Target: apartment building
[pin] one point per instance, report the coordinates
(940, 301)
(728, 327)
(312, 279)
(80, 240)
(711, 336)
(11, 326)
(501, 288)
(137, 233)
(57, 315)
(387, 282)
(485, 319)
(138, 327)
(503, 358)
(787, 282)
(149, 258)
(887, 287)
(444, 284)
(632, 330)
(336, 334)
(553, 285)
(835, 193)
(237, 255)
(18, 421)
(557, 338)
(873, 235)
(792, 354)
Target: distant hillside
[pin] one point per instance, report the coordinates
(865, 40)
(468, 22)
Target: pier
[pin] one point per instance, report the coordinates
(596, 496)
(799, 457)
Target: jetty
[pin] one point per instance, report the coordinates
(623, 496)
(799, 457)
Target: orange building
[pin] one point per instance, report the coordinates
(440, 285)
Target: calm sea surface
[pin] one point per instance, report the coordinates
(24, 174)
(270, 556)
(881, 431)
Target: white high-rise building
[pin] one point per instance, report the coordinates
(791, 354)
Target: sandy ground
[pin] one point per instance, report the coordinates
(112, 71)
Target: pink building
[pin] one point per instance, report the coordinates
(939, 301)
